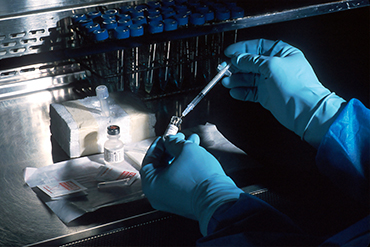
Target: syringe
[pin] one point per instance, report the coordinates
(223, 70)
(173, 126)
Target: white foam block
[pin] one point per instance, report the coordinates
(80, 129)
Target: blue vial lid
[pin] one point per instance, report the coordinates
(222, 14)
(107, 17)
(94, 14)
(109, 24)
(100, 35)
(111, 12)
(91, 28)
(126, 9)
(170, 25)
(141, 7)
(121, 32)
(123, 17)
(187, 12)
(237, 12)
(136, 30)
(154, 4)
(194, 5)
(79, 17)
(209, 15)
(156, 17)
(156, 27)
(135, 13)
(197, 19)
(181, 8)
(218, 6)
(124, 22)
(202, 9)
(168, 14)
(168, 2)
(181, 19)
(230, 4)
(140, 20)
(153, 12)
(85, 22)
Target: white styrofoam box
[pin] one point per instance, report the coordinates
(80, 129)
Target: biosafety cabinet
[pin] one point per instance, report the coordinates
(160, 54)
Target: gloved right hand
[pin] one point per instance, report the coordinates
(181, 177)
(278, 76)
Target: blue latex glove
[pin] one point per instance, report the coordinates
(193, 184)
(278, 76)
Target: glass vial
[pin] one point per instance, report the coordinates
(113, 147)
(173, 126)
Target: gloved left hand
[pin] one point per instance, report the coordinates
(179, 176)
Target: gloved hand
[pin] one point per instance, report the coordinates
(278, 76)
(180, 177)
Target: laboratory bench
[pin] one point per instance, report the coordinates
(278, 167)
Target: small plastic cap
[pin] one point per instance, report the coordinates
(136, 30)
(113, 130)
(101, 34)
(237, 12)
(121, 32)
(102, 92)
(170, 25)
(182, 19)
(197, 19)
(222, 14)
(155, 27)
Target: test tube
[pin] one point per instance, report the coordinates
(134, 79)
(102, 94)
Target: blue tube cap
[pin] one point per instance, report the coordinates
(121, 32)
(209, 15)
(100, 35)
(156, 27)
(123, 17)
(94, 14)
(156, 17)
(124, 23)
(111, 12)
(141, 20)
(135, 13)
(154, 4)
(197, 19)
(168, 13)
(85, 22)
(92, 28)
(136, 30)
(168, 2)
(126, 9)
(182, 19)
(222, 14)
(79, 17)
(109, 24)
(170, 24)
(107, 17)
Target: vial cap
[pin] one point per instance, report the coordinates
(94, 14)
(153, 12)
(85, 22)
(197, 19)
(154, 4)
(109, 24)
(124, 23)
(102, 92)
(222, 14)
(123, 17)
(168, 13)
(121, 32)
(126, 9)
(140, 20)
(92, 28)
(79, 17)
(107, 17)
(237, 12)
(156, 17)
(100, 35)
(182, 19)
(136, 30)
(135, 13)
(202, 9)
(209, 15)
(156, 27)
(113, 130)
(181, 8)
(170, 25)
(111, 12)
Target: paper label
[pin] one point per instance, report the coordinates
(114, 156)
(62, 188)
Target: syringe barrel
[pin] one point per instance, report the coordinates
(215, 79)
